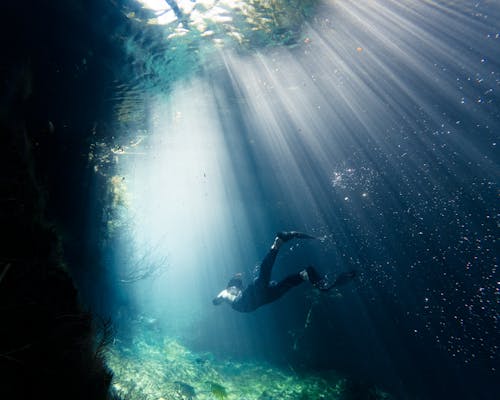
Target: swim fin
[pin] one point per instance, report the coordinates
(289, 235)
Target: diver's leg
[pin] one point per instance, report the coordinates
(320, 282)
(267, 263)
(279, 289)
(289, 235)
(266, 266)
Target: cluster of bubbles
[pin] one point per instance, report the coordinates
(423, 232)
(352, 182)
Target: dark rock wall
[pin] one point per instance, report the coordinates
(56, 71)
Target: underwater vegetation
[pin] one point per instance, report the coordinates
(150, 366)
(218, 391)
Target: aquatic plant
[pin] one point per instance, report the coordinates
(218, 391)
(163, 368)
(265, 396)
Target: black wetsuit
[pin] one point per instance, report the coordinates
(263, 290)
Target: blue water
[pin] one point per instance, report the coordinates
(370, 124)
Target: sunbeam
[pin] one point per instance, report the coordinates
(250, 199)
(375, 130)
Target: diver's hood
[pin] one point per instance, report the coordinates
(236, 282)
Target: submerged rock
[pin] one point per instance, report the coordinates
(185, 391)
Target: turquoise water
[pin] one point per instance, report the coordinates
(372, 125)
(200, 129)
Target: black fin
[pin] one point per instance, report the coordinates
(289, 235)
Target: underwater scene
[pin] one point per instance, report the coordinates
(250, 199)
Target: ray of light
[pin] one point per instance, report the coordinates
(386, 91)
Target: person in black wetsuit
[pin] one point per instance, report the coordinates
(262, 290)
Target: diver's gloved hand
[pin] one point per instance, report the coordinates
(289, 235)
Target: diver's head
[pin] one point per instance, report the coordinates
(235, 281)
(228, 295)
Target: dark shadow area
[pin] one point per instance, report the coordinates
(56, 74)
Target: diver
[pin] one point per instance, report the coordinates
(263, 291)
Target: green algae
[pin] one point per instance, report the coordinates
(218, 391)
(164, 369)
(149, 370)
